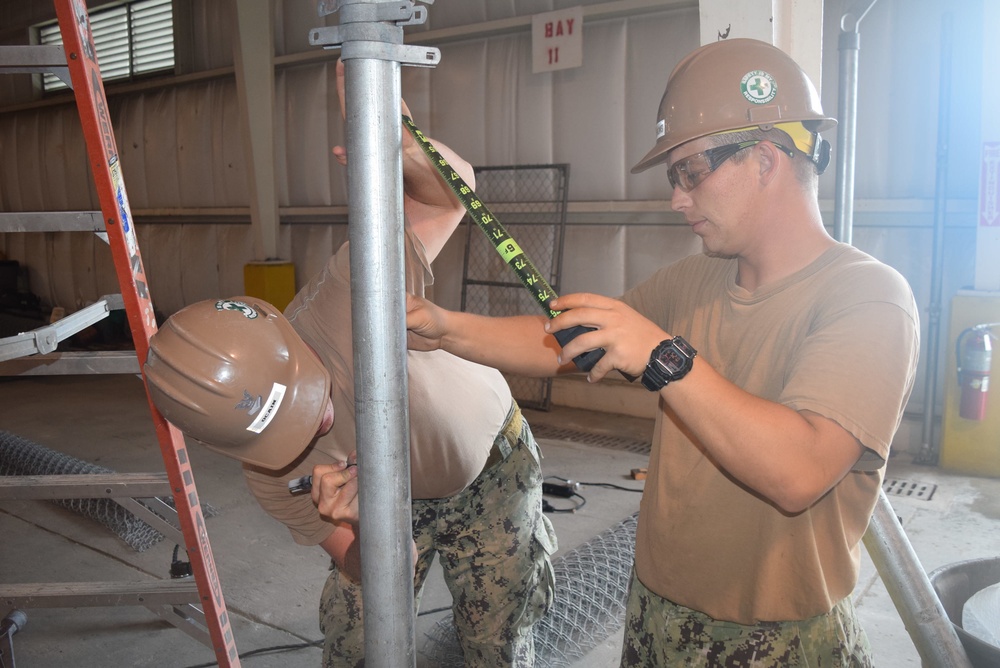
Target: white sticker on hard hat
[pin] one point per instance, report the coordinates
(661, 128)
(269, 409)
(758, 87)
(232, 305)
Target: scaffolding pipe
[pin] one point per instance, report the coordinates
(370, 37)
(847, 112)
(911, 591)
(928, 453)
(375, 230)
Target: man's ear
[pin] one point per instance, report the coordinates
(769, 158)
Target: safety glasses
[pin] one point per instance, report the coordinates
(688, 172)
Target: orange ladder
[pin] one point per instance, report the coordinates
(175, 601)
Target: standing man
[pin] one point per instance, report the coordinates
(277, 393)
(782, 359)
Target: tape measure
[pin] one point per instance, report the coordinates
(508, 248)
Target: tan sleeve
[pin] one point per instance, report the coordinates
(295, 511)
(857, 368)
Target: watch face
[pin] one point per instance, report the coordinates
(670, 360)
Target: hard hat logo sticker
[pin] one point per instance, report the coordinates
(232, 305)
(758, 87)
(250, 403)
(269, 410)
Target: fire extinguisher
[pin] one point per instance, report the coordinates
(975, 357)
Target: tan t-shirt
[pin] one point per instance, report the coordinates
(456, 407)
(839, 338)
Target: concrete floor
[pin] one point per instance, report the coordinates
(272, 586)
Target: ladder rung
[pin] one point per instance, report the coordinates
(36, 58)
(33, 56)
(95, 594)
(84, 486)
(72, 363)
(51, 221)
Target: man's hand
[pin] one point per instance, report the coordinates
(627, 337)
(335, 491)
(424, 324)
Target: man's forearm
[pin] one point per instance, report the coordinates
(517, 344)
(344, 548)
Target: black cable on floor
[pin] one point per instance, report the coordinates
(598, 484)
(274, 649)
(306, 645)
(549, 508)
(611, 486)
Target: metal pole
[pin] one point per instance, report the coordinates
(928, 453)
(849, 44)
(911, 591)
(370, 37)
(375, 190)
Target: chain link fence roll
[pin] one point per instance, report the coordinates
(19, 456)
(592, 583)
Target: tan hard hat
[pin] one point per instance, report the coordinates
(730, 85)
(233, 374)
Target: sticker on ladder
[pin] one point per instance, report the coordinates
(118, 185)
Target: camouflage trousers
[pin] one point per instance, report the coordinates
(659, 632)
(494, 546)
